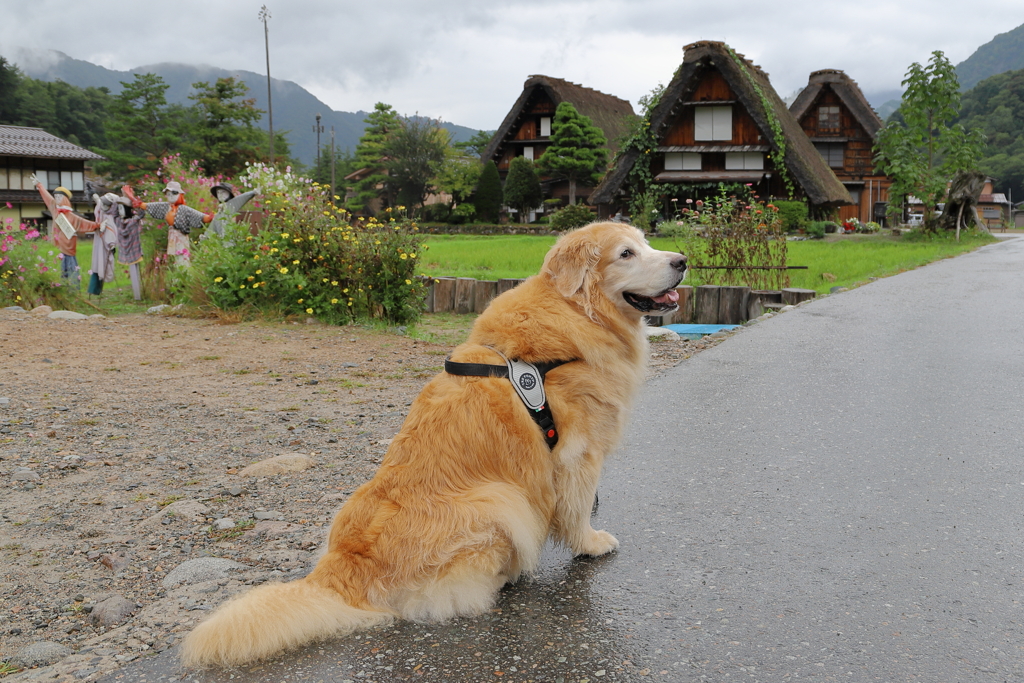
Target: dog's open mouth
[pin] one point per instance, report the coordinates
(665, 301)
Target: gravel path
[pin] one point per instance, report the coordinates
(152, 466)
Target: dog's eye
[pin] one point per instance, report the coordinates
(626, 253)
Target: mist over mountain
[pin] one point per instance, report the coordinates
(294, 107)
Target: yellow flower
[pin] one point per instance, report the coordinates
(301, 300)
(284, 235)
(403, 256)
(408, 282)
(299, 286)
(258, 272)
(274, 250)
(218, 279)
(325, 279)
(412, 255)
(345, 291)
(256, 257)
(309, 310)
(295, 262)
(283, 271)
(334, 301)
(334, 283)
(241, 286)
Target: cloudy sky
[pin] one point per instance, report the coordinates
(465, 60)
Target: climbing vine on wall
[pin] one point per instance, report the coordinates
(779, 157)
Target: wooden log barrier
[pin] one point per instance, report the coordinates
(792, 295)
(506, 284)
(732, 305)
(465, 294)
(444, 294)
(705, 305)
(486, 290)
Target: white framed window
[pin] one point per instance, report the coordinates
(77, 181)
(744, 161)
(528, 153)
(14, 179)
(682, 161)
(3, 179)
(712, 123)
(831, 152)
(545, 126)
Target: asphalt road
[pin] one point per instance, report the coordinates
(835, 494)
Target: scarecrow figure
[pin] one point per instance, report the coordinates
(229, 205)
(67, 225)
(180, 218)
(113, 212)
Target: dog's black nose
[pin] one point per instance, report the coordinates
(679, 263)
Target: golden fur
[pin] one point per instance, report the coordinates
(469, 492)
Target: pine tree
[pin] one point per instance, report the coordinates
(488, 194)
(522, 188)
(577, 152)
(380, 124)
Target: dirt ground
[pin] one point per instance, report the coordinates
(122, 445)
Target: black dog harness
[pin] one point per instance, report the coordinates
(528, 381)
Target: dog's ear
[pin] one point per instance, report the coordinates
(571, 262)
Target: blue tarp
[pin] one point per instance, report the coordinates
(698, 331)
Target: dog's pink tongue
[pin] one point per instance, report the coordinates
(669, 297)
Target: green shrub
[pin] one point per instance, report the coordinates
(793, 214)
(487, 199)
(436, 213)
(816, 229)
(572, 216)
(463, 213)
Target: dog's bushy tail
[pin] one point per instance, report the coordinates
(272, 618)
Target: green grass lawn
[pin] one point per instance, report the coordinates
(852, 259)
(117, 295)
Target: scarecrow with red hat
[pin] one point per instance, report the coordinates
(181, 219)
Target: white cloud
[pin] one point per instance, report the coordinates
(466, 61)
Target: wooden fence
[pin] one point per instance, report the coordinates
(704, 305)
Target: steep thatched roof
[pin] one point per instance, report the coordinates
(849, 93)
(609, 113)
(802, 161)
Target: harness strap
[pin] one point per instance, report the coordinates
(542, 414)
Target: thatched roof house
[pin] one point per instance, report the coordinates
(526, 129)
(835, 115)
(720, 120)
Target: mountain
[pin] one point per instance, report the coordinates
(295, 108)
(1003, 53)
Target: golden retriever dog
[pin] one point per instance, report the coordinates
(469, 491)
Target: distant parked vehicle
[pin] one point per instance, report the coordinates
(915, 220)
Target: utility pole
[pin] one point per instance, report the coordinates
(264, 16)
(318, 129)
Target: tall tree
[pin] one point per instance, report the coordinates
(927, 149)
(224, 134)
(577, 152)
(10, 85)
(380, 123)
(522, 188)
(458, 175)
(413, 155)
(996, 106)
(488, 197)
(141, 128)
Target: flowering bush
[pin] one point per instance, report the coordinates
(308, 258)
(732, 230)
(30, 270)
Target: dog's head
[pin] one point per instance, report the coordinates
(613, 261)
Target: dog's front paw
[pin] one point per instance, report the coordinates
(598, 543)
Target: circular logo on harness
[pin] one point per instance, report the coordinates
(527, 381)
